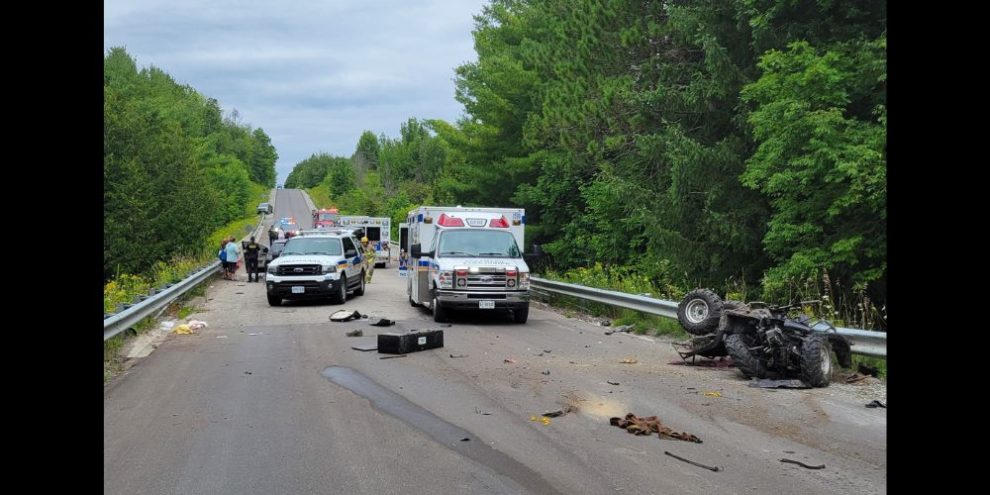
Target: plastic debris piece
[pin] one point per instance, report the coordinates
(629, 361)
(344, 315)
(183, 329)
(196, 324)
(713, 394)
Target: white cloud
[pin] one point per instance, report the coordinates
(313, 74)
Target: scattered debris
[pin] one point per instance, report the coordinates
(649, 425)
(622, 329)
(393, 356)
(605, 323)
(221, 336)
(868, 370)
(799, 463)
(509, 361)
(770, 383)
(183, 329)
(610, 382)
(483, 413)
(559, 413)
(546, 372)
(547, 350)
(382, 322)
(721, 362)
(365, 347)
(355, 333)
(856, 377)
(629, 361)
(248, 373)
(713, 394)
(876, 404)
(710, 468)
(457, 356)
(344, 315)
(399, 343)
(540, 419)
(252, 334)
(196, 324)
(465, 439)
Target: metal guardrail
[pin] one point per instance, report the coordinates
(863, 341)
(119, 322)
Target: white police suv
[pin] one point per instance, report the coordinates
(323, 265)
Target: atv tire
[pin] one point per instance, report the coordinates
(816, 361)
(748, 364)
(699, 312)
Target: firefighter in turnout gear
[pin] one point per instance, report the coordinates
(369, 258)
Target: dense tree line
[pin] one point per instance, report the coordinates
(174, 169)
(719, 143)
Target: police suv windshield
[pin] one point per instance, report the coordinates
(327, 246)
(478, 243)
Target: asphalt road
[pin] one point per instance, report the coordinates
(273, 400)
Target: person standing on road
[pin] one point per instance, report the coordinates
(251, 251)
(223, 259)
(369, 259)
(232, 257)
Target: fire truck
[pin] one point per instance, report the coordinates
(376, 229)
(326, 218)
(468, 258)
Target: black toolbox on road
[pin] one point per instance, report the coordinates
(401, 343)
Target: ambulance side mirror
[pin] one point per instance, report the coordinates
(416, 251)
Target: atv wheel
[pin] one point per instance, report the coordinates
(816, 361)
(700, 311)
(748, 364)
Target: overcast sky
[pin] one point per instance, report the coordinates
(313, 74)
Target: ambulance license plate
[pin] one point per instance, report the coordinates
(486, 304)
(298, 289)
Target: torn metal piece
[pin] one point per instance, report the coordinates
(799, 463)
(770, 383)
(876, 404)
(393, 356)
(382, 322)
(561, 412)
(710, 468)
(611, 382)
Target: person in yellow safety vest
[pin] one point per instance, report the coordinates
(369, 259)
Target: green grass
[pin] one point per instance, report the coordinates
(879, 363)
(320, 196)
(112, 361)
(126, 288)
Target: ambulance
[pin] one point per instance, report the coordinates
(376, 229)
(468, 258)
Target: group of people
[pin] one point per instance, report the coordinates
(230, 256)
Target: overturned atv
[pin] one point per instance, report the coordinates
(762, 340)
